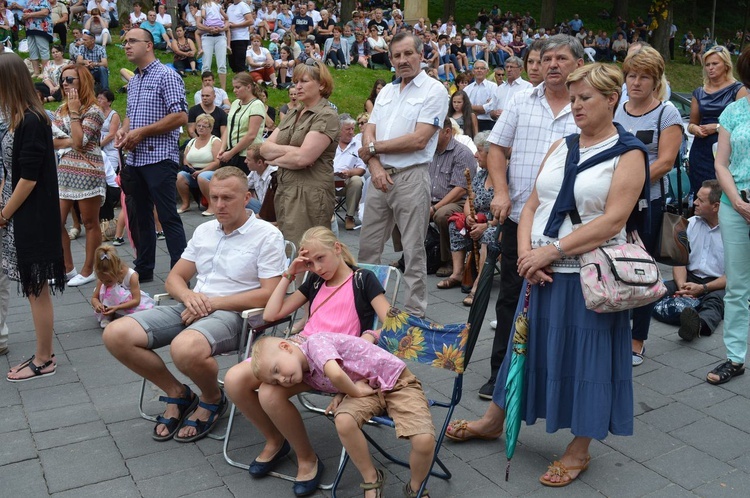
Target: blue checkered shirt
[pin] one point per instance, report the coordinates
(153, 93)
(96, 54)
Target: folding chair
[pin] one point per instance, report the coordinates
(340, 186)
(446, 347)
(247, 336)
(390, 278)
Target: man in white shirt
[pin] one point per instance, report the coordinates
(347, 165)
(703, 277)
(480, 93)
(240, 19)
(313, 13)
(528, 126)
(221, 100)
(237, 260)
(164, 18)
(474, 46)
(507, 89)
(398, 143)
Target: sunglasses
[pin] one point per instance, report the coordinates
(69, 79)
(362, 123)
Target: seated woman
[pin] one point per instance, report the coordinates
(99, 27)
(201, 155)
(378, 48)
(351, 312)
(360, 51)
(285, 68)
(50, 85)
(578, 367)
(260, 64)
(184, 52)
(479, 228)
(336, 49)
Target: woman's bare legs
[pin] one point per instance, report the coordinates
(491, 422)
(576, 455)
(42, 313)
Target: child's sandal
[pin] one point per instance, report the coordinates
(377, 485)
(409, 493)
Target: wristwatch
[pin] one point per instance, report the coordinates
(705, 289)
(371, 147)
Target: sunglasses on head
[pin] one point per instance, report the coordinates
(69, 79)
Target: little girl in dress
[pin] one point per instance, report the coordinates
(117, 288)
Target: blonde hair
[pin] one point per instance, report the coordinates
(365, 115)
(254, 152)
(259, 347)
(107, 264)
(722, 53)
(604, 78)
(207, 118)
(230, 172)
(317, 71)
(324, 237)
(647, 60)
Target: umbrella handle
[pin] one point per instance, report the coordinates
(526, 297)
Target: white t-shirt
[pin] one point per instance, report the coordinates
(137, 20)
(221, 96)
(165, 20)
(104, 7)
(236, 13)
(257, 58)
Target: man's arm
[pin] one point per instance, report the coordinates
(454, 195)
(497, 167)
(103, 63)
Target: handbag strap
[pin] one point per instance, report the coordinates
(312, 311)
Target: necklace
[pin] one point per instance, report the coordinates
(632, 111)
(601, 143)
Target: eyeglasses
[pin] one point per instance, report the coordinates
(130, 41)
(202, 126)
(69, 79)
(499, 74)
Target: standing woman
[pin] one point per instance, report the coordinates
(733, 173)
(110, 126)
(80, 172)
(659, 127)
(211, 22)
(718, 91)
(303, 147)
(32, 252)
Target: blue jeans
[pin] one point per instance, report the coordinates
(192, 182)
(642, 315)
(254, 204)
(101, 76)
(156, 186)
(734, 235)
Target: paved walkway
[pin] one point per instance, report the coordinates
(78, 433)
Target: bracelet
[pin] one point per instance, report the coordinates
(6, 220)
(705, 287)
(288, 276)
(559, 249)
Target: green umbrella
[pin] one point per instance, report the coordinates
(514, 382)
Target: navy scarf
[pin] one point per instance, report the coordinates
(566, 202)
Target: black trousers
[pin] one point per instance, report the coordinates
(237, 57)
(156, 186)
(507, 300)
(711, 307)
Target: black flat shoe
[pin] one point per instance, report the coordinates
(306, 488)
(261, 469)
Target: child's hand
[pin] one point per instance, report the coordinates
(300, 264)
(98, 306)
(364, 388)
(335, 402)
(110, 310)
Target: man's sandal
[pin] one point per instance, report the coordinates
(377, 485)
(203, 427)
(36, 370)
(461, 432)
(726, 371)
(559, 469)
(185, 404)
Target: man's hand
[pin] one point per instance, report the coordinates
(379, 178)
(690, 289)
(364, 153)
(198, 304)
(501, 206)
(130, 139)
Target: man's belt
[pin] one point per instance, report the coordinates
(393, 171)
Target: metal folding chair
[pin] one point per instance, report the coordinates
(446, 347)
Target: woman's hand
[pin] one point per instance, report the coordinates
(743, 208)
(74, 103)
(534, 265)
(224, 156)
(477, 231)
(699, 131)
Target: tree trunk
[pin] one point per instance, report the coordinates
(660, 38)
(619, 8)
(347, 6)
(547, 20)
(449, 9)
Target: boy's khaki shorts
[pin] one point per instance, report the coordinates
(406, 404)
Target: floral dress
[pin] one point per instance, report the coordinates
(10, 258)
(80, 173)
(482, 198)
(120, 293)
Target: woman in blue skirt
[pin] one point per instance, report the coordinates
(578, 369)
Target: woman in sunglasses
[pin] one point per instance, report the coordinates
(303, 147)
(77, 126)
(31, 250)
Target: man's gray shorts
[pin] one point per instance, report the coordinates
(163, 323)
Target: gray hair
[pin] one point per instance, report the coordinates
(402, 35)
(514, 60)
(346, 118)
(481, 140)
(558, 41)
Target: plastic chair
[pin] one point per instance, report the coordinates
(247, 336)
(446, 347)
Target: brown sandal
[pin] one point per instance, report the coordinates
(469, 300)
(559, 469)
(448, 283)
(462, 426)
(377, 485)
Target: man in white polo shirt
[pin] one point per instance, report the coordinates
(507, 89)
(397, 145)
(348, 165)
(237, 261)
(480, 94)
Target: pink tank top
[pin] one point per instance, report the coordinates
(335, 314)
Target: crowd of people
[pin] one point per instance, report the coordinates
(445, 126)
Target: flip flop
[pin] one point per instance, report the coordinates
(448, 283)
(462, 426)
(559, 469)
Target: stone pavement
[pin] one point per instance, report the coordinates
(78, 433)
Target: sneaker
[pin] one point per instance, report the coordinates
(118, 241)
(638, 357)
(160, 236)
(485, 392)
(105, 322)
(73, 233)
(493, 324)
(690, 324)
(81, 280)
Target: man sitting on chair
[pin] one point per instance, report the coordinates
(348, 165)
(237, 261)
